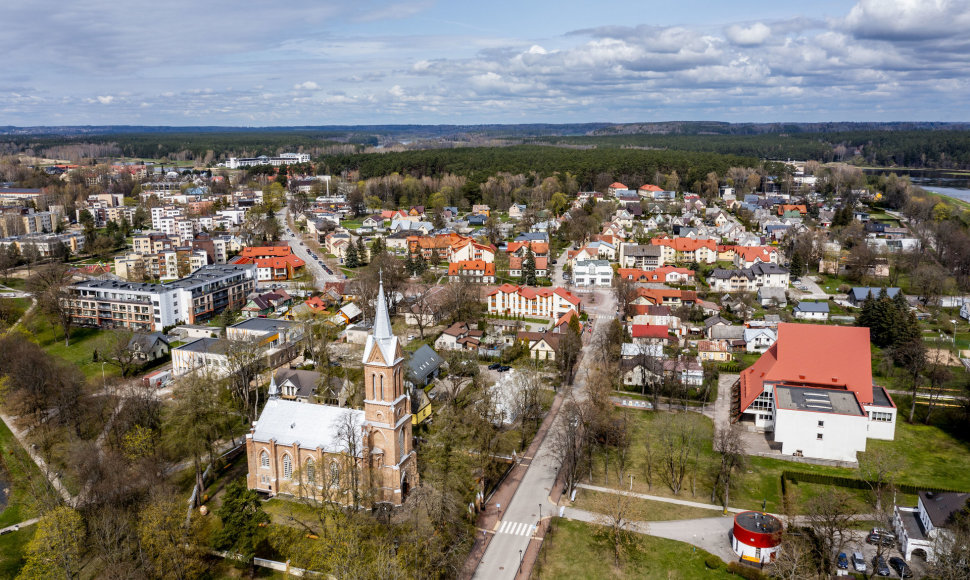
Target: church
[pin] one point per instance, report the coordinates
(336, 453)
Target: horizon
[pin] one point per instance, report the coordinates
(422, 62)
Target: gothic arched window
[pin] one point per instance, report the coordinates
(311, 471)
(382, 386)
(400, 442)
(287, 467)
(264, 460)
(373, 386)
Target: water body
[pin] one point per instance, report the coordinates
(943, 182)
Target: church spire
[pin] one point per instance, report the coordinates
(382, 321)
(274, 391)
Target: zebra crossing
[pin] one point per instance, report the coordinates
(516, 528)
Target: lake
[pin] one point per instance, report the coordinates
(941, 181)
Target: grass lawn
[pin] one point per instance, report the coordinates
(12, 548)
(18, 307)
(929, 456)
(18, 470)
(84, 341)
(575, 550)
(15, 283)
(645, 510)
(352, 224)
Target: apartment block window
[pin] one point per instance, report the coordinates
(819, 436)
(821, 423)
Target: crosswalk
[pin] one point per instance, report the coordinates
(516, 528)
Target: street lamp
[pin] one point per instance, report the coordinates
(631, 482)
(104, 384)
(520, 561)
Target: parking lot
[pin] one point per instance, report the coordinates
(859, 544)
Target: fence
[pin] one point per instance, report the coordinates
(852, 482)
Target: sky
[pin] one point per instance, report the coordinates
(324, 62)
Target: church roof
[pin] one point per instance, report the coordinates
(312, 426)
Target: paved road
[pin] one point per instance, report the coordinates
(17, 527)
(514, 531)
(320, 276)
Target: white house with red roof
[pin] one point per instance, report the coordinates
(813, 389)
(468, 249)
(747, 256)
(614, 187)
(512, 300)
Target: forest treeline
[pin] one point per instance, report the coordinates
(478, 164)
(942, 149)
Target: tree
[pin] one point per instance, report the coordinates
(570, 345)
(9, 258)
(119, 351)
(55, 550)
(528, 277)
(362, 251)
(625, 291)
(491, 229)
(245, 360)
(168, 542)
(378, 246)
(196, 421)
(796, 266)
(349, 428)
(567, 440)
(49, 287)
(730, 445)
(614, 510)
(879, 469)
(676, 450)
(31, 255)
(241, 513)
(351, 257)
(911, 355)
(830, 517)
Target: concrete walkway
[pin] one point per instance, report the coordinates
(19, 526)
(710, 534)
(683, 502)
(41, 464)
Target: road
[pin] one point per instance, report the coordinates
(513, 532)
(315, 268)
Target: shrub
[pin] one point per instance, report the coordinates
(745, 571)
(713, 562)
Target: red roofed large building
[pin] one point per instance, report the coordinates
(478, 271)
(614, 187)
(661, 275)
(687, 250)
(469, 249)
(813, 388)
(512, 300)
(515, 266)
(747, 256)
(272, 262)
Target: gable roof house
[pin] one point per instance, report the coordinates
(423, 366)
(926, 527)
(823, 411)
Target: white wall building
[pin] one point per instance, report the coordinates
(593, 273)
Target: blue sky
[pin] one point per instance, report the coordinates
(316, 62)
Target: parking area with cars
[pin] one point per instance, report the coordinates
(862, 556)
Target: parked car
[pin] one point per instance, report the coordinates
(901, 567)
(858, 562)
(504, 368)
(879, 565)
(494, 366)
(842, 561)
(877, 536)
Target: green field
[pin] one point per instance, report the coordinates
(645, 510)
(84, 341)
(927, 455)
(12, 548)
(575, 550)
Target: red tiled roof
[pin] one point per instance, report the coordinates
(473, 265)
(265, 251)
(617, 185)
(649, 331)
(752, 253)
(515, 263)
(565, 318)
(797, 358)
(537, 247)
(650, 187)
(530, 292)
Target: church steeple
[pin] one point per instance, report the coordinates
(274, 391)
(382, 321)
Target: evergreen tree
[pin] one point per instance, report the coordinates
(528, 277)
(351, 259)
(241, 513)
(361, 251)
(796, 266)
(378, 246)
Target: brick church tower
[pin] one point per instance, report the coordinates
(387, 412)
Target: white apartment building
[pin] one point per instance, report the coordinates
(588, 273)
(283, 159)
(512, 300)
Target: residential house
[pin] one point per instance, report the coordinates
(687, 371)
(713, 350)
(759, 339)
(808, 310)
(273, 263)
(641, 256)
(662, 275)
(265, 304)
(468, 249)
(858, 295)
(477, 271)
(459, 336)
(542, 345)
(148, 347)
(924, 529)
(687, 250)
(516, 211)
(747, 256)
(769, 296)
(749, 279)
(649, 334)
(588, 273)
(423, 367)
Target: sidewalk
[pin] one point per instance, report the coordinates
(41, 464)
(683, 502)
(19, 526)
(490, 515)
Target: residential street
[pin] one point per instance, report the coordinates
(320, 276)
(513, 532)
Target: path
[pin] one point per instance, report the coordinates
(512, 543)
(53, 477)
(16, 527)
(711, 534)
(673, 500)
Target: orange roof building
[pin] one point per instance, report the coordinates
(474, 270)
(813, 387)
(529, 302)
(273, 263)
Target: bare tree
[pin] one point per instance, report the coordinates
(423, 304)
(245, 360)
(879, 468)
(676, 450)
(49, 286)
(937, 374)
(567, 440)
(912, 356)
(625, 291)
(614, 510)
(118, 351)
(795, 558)
(350, 434)
(729, 443)
(829, 516)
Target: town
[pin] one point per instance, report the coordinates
(253, 363)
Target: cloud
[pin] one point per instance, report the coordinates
(306, 86)
(105, 100)
(752, 35)
(906, 20)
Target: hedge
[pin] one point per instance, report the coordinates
(852, 482)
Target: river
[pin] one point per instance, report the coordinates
(941, 181)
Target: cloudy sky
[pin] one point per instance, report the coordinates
(315, 62)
